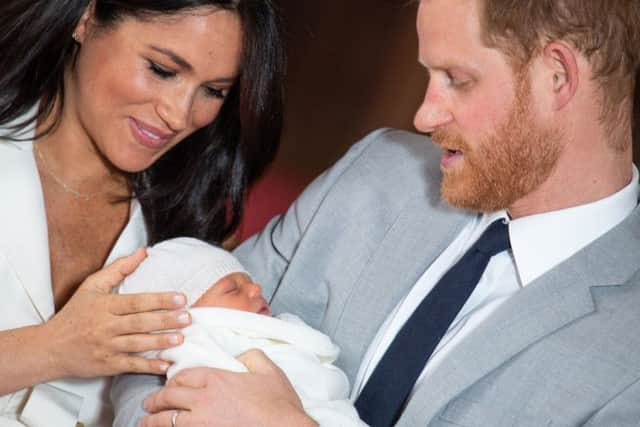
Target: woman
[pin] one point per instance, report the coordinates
(125, 123)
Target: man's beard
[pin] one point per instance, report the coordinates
(503, 167)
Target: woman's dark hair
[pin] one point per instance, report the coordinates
(196, 189)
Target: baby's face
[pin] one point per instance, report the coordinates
(235, 290)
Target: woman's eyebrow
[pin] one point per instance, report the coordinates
(180, 61)
(223, 80)
(184, 64)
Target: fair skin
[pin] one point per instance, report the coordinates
(136, 90)
(471, 94)
(246, 401)
(237, 291)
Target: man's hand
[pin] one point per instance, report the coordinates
(207, 397)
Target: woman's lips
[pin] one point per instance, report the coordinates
(149, 136)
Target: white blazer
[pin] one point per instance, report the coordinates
(27, 298)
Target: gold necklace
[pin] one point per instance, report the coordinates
(60, 182)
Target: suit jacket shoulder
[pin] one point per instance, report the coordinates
(557, 353)
(370, 182)
(345, 252)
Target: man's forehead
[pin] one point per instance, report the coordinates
(451, 3)
(450, 39)
(448, 16)
(450, 25)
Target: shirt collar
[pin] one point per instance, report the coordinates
(540, 242)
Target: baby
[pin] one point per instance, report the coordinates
(230, 316)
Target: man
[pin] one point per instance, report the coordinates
(529, 105)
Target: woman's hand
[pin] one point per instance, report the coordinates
(97, 332)
(207, 396)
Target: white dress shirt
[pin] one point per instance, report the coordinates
(538, 243)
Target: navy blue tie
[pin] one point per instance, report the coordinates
(384, 395)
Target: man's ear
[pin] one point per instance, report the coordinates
(86, 21)
(564, 77)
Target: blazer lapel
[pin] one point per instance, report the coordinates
(417, 237)
(549, 303)
(24, 238)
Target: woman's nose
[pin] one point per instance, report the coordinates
(174, 109)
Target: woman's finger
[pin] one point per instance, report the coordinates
(139, 365)
(149, 322)
(110, 276)
(137, 343)
(144, 302)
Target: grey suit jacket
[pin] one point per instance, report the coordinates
(561, 352)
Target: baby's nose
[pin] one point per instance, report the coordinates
(255, 290)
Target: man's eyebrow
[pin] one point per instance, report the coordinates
(180, 61)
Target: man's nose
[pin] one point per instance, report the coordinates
(432, 113)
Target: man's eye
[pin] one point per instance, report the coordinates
(160, 71)
(457, 82)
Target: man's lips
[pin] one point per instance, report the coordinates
(450, 157)
(149, 136)
(452, 148)
(451, 151)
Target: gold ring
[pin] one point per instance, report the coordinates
(174, 418)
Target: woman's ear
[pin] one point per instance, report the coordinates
(83, 27)
(562, 71)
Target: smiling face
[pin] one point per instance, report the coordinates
(237, 291)
(480, 112)
(141, 87)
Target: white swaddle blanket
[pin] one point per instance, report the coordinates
(217, 335)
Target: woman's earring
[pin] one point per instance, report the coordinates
(74, 36)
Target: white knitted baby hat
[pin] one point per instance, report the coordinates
(182, 264)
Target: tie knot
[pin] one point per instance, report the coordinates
(495, 239)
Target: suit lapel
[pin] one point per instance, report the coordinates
(549, 303)
(417, 237)
(24, 238)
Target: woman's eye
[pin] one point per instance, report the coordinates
(215, 92)
(160, 71)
